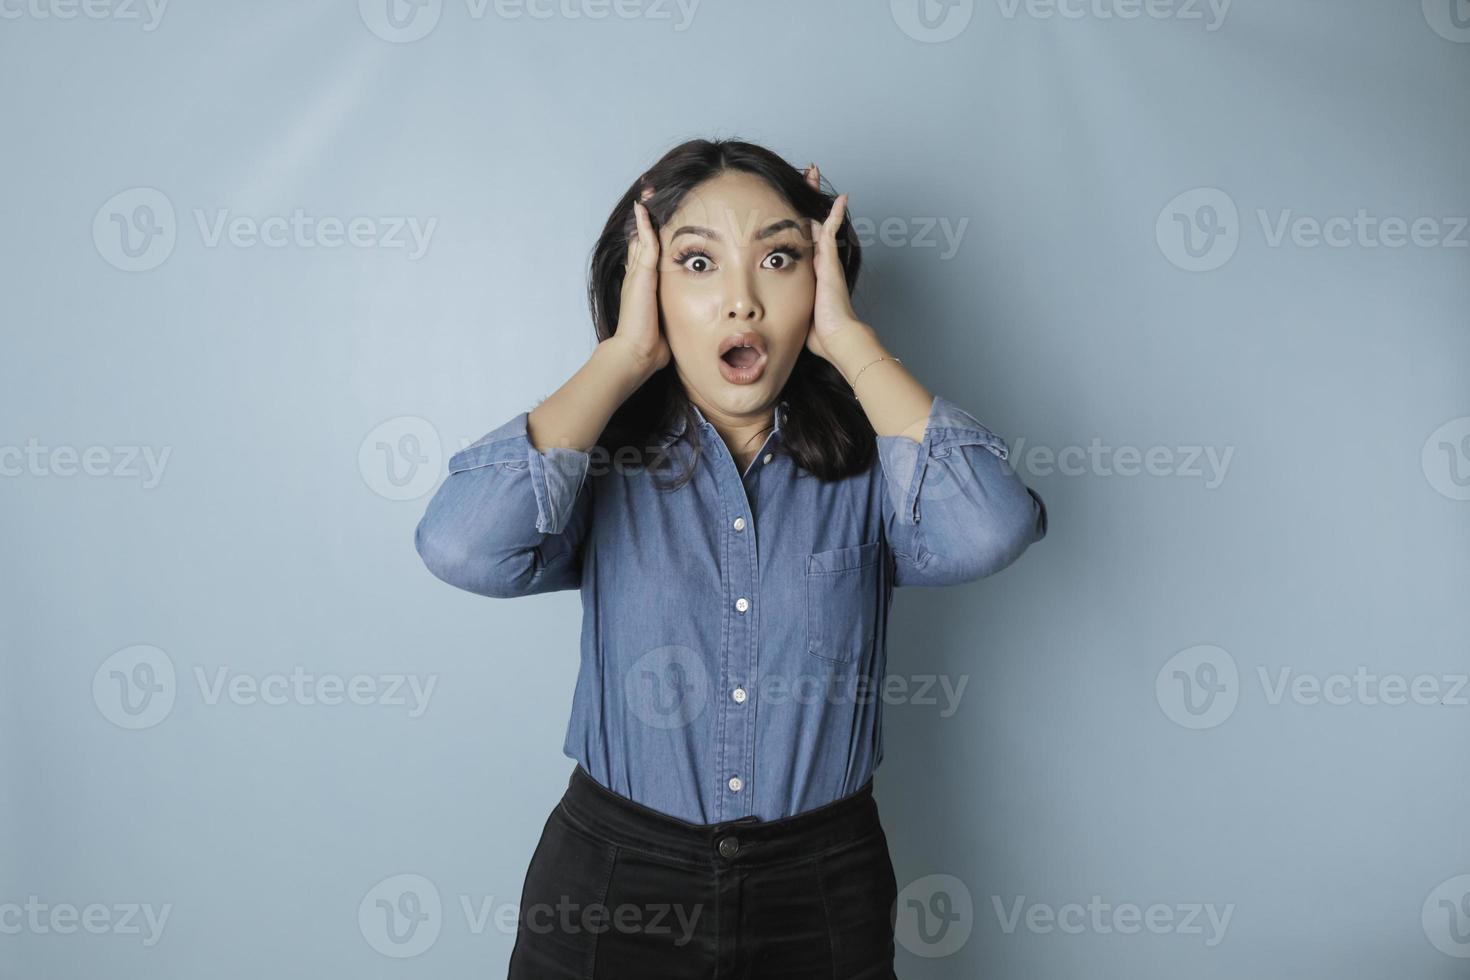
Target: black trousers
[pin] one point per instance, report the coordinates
(619, 891)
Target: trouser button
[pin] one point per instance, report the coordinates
(728, 847)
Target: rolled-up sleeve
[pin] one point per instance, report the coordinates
(954, 508)
(509, 520)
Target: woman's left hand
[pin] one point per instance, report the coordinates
(832, 310)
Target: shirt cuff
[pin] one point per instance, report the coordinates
(557, 474)
(904, 460)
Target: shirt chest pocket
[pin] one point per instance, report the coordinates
(842, 602)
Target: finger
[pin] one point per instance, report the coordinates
(647, 242)
(831, 226)
(834, 219)
(648, 238)
(826, 260)
(827, 247)
(630, 257)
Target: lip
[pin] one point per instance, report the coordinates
(748, 338)
(743, 376)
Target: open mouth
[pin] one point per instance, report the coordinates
(743, 357)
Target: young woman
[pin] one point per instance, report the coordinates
(735, 480)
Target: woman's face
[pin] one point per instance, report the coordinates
(735, 263)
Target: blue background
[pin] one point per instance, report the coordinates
(1115, 284)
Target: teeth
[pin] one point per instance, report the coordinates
(750, 347)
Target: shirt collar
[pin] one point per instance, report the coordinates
(781, 411)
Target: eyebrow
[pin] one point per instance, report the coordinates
(774, 228)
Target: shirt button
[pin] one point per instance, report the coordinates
(739, 695)
(742, 603)
(739, 523)
(735, 783)
(769, 457)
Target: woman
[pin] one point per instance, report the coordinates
(735, 480)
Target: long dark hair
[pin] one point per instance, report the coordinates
(827, 432)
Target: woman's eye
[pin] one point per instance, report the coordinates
(699, 262)
(787, 257)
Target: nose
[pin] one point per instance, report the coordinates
(740, 302)
(740, 312)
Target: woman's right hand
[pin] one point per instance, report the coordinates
(638, 321)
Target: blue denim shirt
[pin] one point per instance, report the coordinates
(734, 630)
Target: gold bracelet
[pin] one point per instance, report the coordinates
(885, 357)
